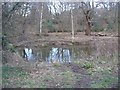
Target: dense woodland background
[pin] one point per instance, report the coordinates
(43, 17)
(21, 20)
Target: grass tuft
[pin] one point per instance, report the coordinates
(56, 65)
(87, 65)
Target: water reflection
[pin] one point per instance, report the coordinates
(52, 55)
(59, 55)
(68, 54)
(27, 54)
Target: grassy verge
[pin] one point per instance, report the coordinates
(12, 76)
(15, 77)
(104, 81)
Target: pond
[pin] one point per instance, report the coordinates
(88, 65)
(67, 54)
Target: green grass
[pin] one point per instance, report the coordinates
(78, 77)
(84, 64)
(56, 65)
(66, 74)
(67, 79)
(48, 78)
(87, 65)
(77, 62)
(104, 82)
(17, 77)
(9, 74)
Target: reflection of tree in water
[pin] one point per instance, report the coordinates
(87, 51)
(59, 55)
(68, 54)
(71, 53)
(42, 53)
(27, 54)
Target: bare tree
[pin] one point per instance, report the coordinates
(41, 19)
(87, 10)
(24, 15)
(9, 11)
(72, 24)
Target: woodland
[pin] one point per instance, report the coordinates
(60, 44)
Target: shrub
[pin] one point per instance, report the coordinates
(6, 45)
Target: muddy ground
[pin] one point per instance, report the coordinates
(60, 38)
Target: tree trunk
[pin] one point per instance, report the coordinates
(24, 27)
(88, 25)
(72, 25)
(88, 29)
(88, 17)
(41, 16)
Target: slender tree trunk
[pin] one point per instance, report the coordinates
(116, 15)
(62, 55)
(41, 16)
(24, 27)
(72, 25)
(24, 21)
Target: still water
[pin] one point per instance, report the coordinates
(66, 54)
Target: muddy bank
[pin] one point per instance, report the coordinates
(63, 39)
